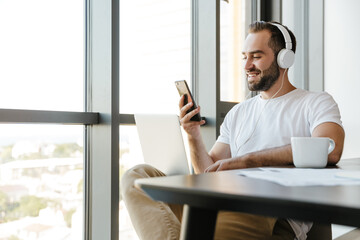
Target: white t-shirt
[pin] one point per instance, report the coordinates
(257, 124)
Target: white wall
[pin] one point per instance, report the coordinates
(341, 64)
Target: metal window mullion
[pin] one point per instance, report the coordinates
(195, 48)
(87, 129)
(315, 45)
(103, 138)
(205, 62)
(115, 110)
(45, 117)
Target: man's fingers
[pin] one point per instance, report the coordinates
(184, 109)
(187, 116)
(181, 102)
(212, 168)
(217, 166)
(208, 169)
(192, 113)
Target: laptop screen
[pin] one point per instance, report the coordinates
(162, 143)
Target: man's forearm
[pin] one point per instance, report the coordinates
(200, 158)
(278, 156)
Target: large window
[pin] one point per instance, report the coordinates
(42, 54)
(233, 86)
(154, 53)
(41, 165)
(41, 175)
(164, 41)
(60, 103)
(155, 38)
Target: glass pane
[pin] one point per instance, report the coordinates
(233, 87)
(154, 53)
(130, 155)
(42, 54)
(41, 182)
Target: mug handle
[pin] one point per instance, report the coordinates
(332, 145)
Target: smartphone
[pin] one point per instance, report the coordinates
(183, 89)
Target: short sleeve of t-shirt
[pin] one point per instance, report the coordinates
(323, 108)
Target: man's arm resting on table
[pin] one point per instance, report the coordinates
(280, 156)
(201, 159)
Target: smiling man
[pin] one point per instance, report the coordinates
(260, 80)
(255, 133)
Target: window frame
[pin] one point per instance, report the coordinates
(101, 116)
(102, 139)
(100, 119)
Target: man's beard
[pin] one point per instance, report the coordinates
(268, 79)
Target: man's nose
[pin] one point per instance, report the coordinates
(248, 64)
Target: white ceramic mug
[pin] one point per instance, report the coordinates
(311, 152)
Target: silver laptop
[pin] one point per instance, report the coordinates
(162, 143)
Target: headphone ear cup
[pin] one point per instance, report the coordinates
(285, 58)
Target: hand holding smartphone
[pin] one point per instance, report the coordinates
(183, 89)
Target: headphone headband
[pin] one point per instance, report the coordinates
(285, 33)
(286, 56)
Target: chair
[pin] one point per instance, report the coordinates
(320, 232)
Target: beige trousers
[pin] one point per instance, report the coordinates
(161, 221)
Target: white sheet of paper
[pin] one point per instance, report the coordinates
(304, 176)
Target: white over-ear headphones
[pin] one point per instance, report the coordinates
(286, 56)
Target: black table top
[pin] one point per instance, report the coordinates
(229, 191)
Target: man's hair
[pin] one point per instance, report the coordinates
(277, 41)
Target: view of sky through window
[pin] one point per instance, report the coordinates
(41, 166)
(155, 39)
